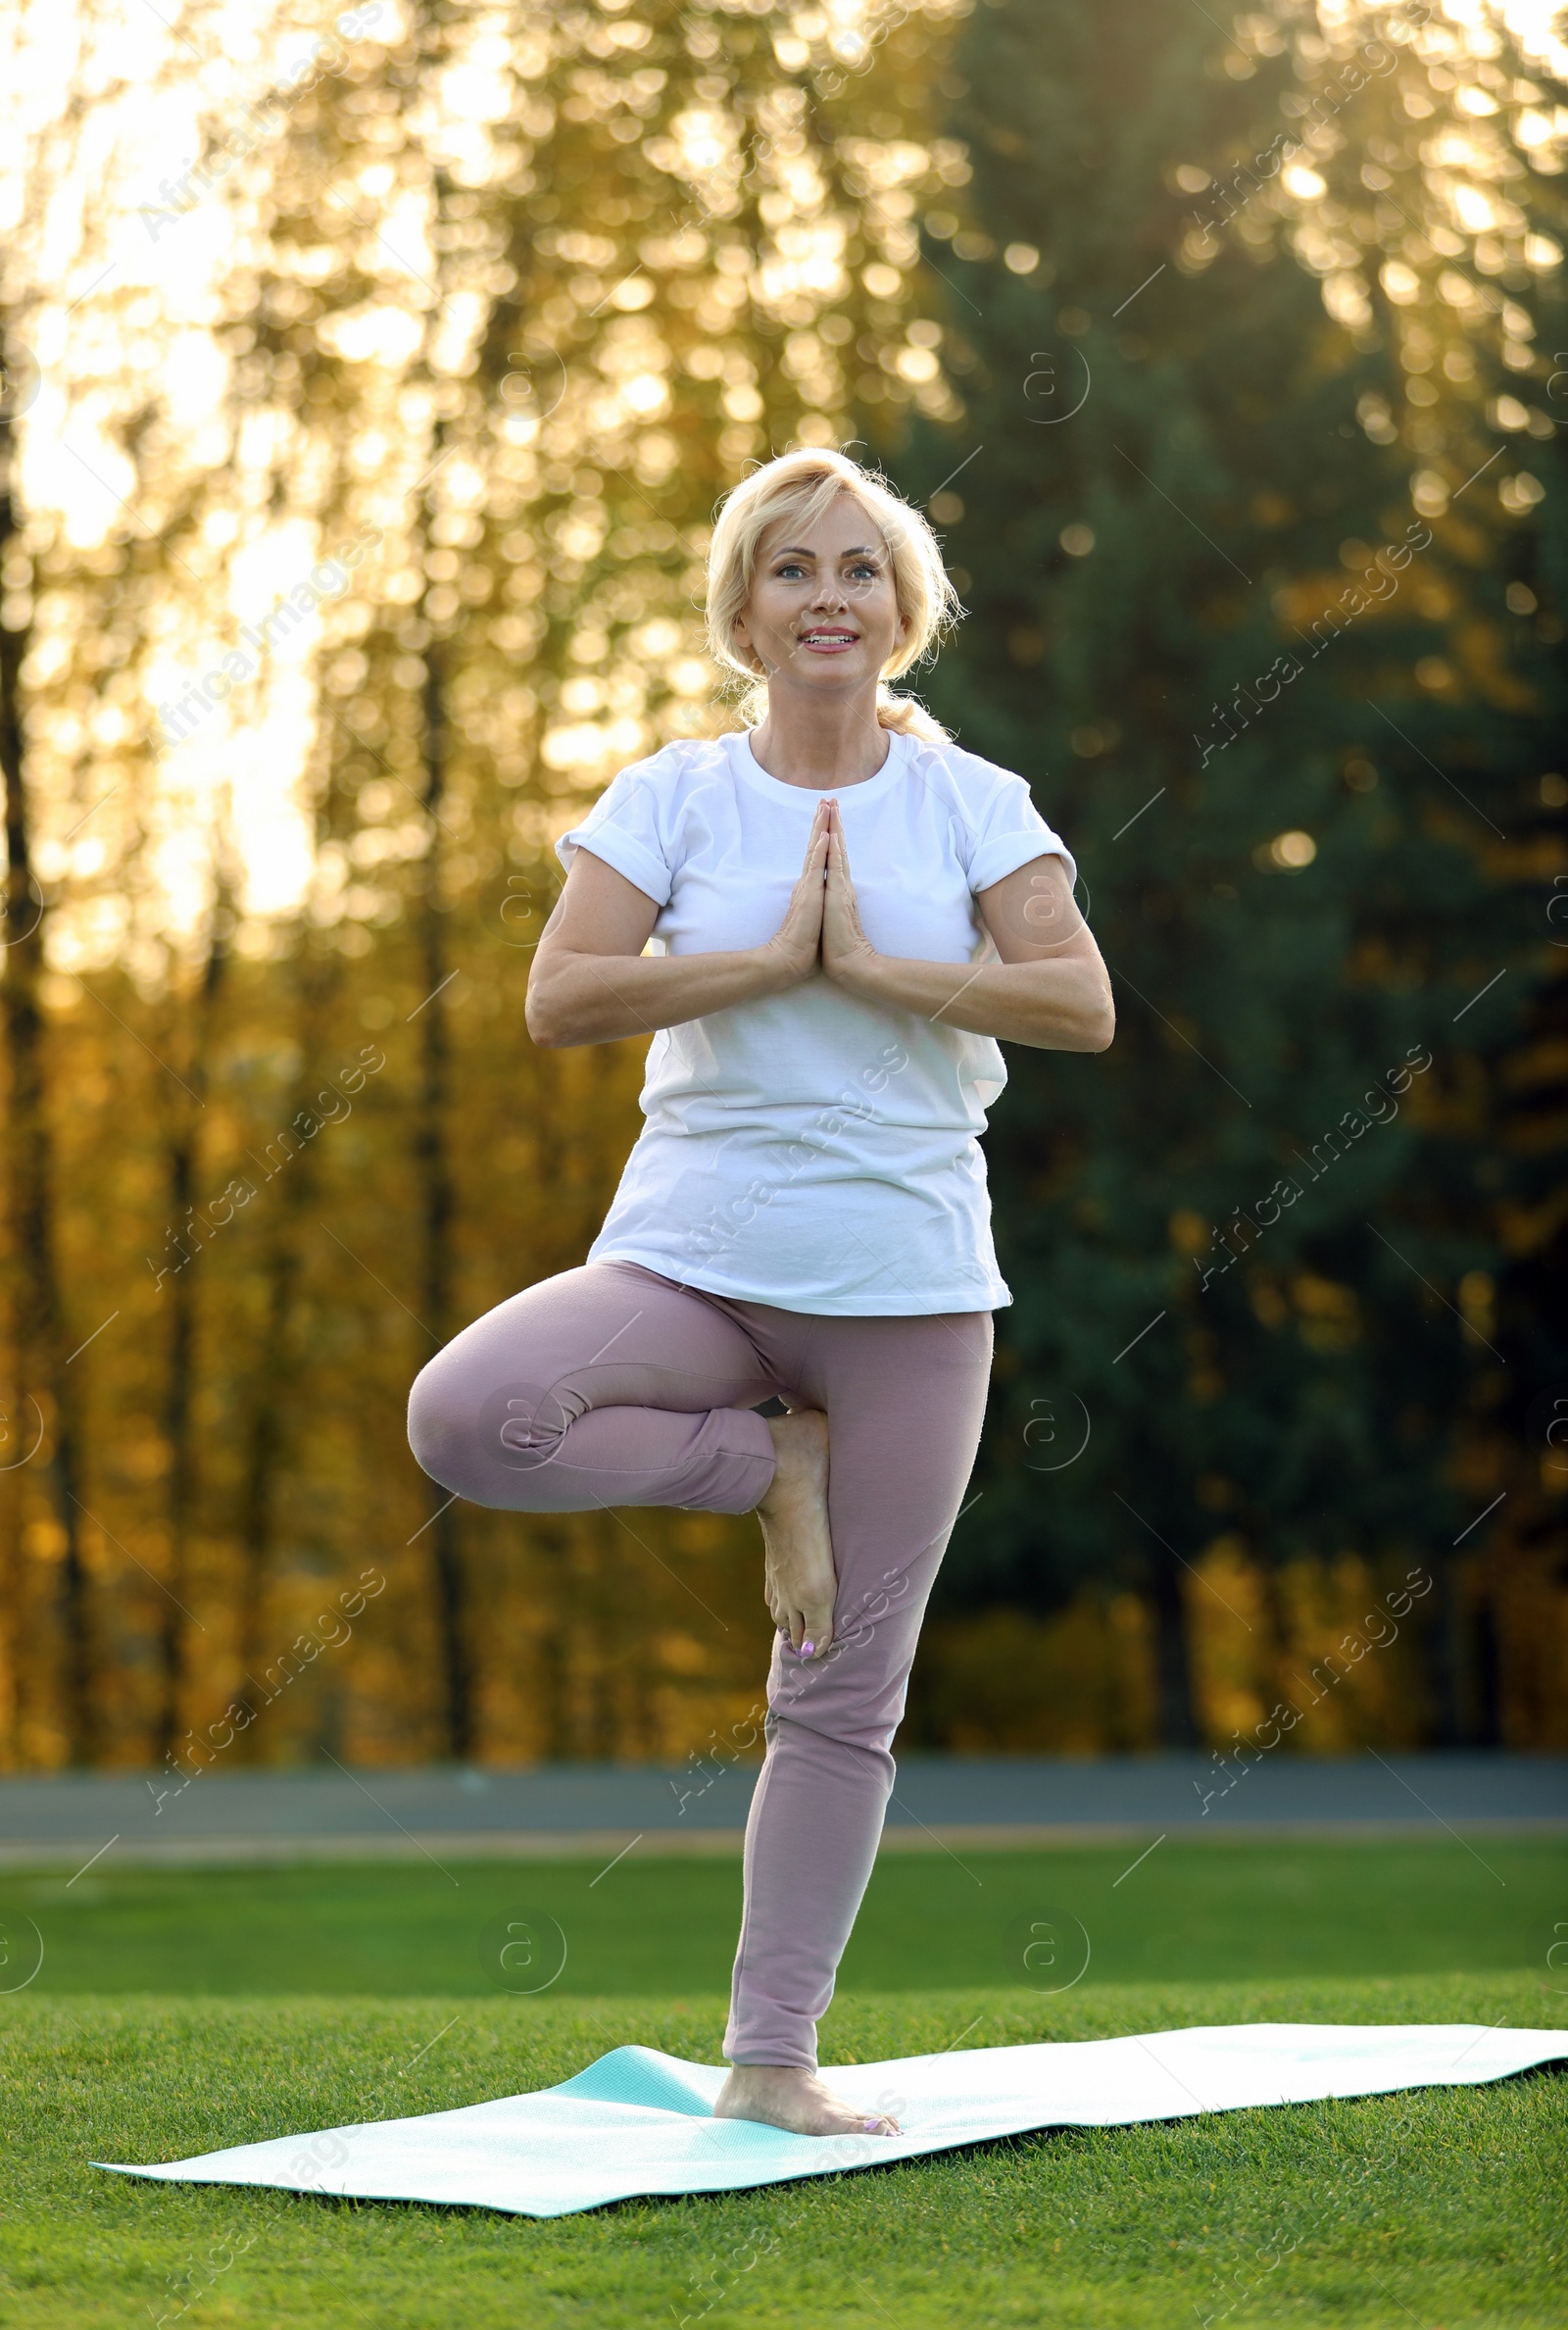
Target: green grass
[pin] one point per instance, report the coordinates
(1191, 1911)
(1443, 2207)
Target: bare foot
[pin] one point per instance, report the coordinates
(800, 1577)
(782, 2095)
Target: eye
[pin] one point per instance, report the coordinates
(790, 568)
(864, 567)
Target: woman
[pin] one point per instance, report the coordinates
(846, 911)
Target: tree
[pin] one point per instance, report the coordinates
(42, 153)
(588, 375)
(1200, 599)
(404, 406)
(184, 1153)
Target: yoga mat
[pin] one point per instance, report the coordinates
(637, 2121)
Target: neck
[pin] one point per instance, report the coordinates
(819, 744)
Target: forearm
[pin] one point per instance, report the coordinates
(576, 998)
(1058, 1006)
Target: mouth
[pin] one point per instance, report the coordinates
(830, 639)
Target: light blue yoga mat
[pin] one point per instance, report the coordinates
(637, 2121)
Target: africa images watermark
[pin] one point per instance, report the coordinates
(719, 2276)
(327, 2150)
(851, 1106)
(1273, 2253)
(240, 1713)
(695, 1760)
(267, 118)
(1388, 564)
(806, 1674)
(233, 2245)
(287, 1144)
(329, 580)
(1352, 1648)
(1284, 1192)
(1380, 60)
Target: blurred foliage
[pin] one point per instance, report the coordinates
(367, 395)
(1251, 576)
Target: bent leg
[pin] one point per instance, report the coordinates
(905, 1401)
(607, 1385)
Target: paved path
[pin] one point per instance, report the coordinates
(565, 1810)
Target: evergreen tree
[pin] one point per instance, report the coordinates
(1199, 601)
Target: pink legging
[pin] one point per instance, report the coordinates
(611, 1385)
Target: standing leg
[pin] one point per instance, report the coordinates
(905, 1400)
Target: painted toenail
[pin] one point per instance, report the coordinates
(807, 1648)
(870, 2126)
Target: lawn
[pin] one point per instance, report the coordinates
(360, 1993)
(1196, 1911)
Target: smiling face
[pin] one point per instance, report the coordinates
(823, 611)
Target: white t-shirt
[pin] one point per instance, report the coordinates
(808, 1150)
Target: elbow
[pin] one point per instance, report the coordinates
(543, 1022)
(547, 1035)
(1103, 1032)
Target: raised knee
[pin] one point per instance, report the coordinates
(438, 1428)
(526, 1425)
(472, 1446)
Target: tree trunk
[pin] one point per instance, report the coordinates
(179, 1423)
(38, 1325)
(1445, 1657)
(433, 1167)
(266, 1438)
(1173, 1680)
(1487, 1729)
(268, 1435)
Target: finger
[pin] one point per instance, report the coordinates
(806, 898)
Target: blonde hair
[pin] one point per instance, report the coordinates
(802, 485)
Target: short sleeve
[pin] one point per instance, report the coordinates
(627, 827)
(1013, 831)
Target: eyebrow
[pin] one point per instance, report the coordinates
(794, 550)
